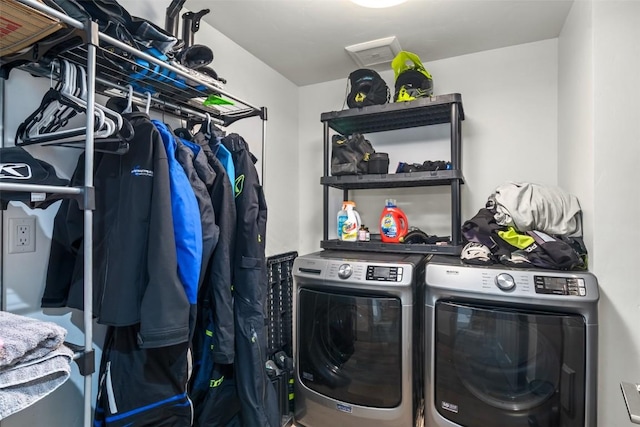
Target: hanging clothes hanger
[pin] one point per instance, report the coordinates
(111, 131)
(34, 130)
(113, 139)
(147, 106)
(129, 108)
(46, 117)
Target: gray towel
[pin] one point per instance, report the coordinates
(24, 338)
(25, 383)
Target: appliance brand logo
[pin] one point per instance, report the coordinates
(454, 272)
(450, 407)
(344, 408)
(15, 171)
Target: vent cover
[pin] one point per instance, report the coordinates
(374, 52)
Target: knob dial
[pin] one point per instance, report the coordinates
(505, 282)
(344, 271)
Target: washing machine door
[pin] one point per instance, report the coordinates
(350, 347)
(507, 367)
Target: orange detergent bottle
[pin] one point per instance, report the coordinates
(393, 223)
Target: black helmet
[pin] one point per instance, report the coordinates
(367, 88)
(412, 81)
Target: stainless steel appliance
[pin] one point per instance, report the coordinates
(356, 346)
(509, 347)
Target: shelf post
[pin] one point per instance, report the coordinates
(263, 161)
(92, 43)
(456, 164)
(325, 188)
(456, 137)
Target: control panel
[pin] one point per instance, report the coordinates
(364, 272)
(448, 273)
(560, 285)
(384, 273)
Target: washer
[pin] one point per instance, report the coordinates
(357, 351)
(509, 347)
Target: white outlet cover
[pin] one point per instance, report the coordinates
(17, 243)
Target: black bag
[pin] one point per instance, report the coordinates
(350, 156)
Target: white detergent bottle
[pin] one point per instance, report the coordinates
(348, 222)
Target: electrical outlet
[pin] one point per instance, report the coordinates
(22, 235)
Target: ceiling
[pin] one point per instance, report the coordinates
(304, 40)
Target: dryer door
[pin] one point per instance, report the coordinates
(505, 367)
(350, 347)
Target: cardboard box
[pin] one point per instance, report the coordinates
(22, 26)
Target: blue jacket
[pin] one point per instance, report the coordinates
(187, 228)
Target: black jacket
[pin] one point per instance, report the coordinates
(216, 298)
(135, 276)
(250, 281)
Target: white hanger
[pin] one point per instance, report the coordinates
(147, 107)
(68, 91)
(129, 108)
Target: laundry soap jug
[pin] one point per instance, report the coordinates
(348, 222)
(393, 223)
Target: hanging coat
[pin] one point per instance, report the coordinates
(135, 275)
(187, 227)
(215, 300)
(257, 395)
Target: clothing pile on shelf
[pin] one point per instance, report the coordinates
(179, 274)
(33, 361)
(527, 225)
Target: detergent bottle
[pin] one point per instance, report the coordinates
(393, 223)
(348, 222)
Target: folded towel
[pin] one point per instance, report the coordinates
(24, 384)
(25, 338)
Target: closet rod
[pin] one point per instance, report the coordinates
(115, 42)
(34, 188)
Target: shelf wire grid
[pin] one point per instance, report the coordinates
(169, 92)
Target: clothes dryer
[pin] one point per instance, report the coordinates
(509, 347)
(357, 349)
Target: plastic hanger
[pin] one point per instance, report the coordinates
(33, 133)
(129, 108)
(50, 105)
(58, 106)
(147, 106)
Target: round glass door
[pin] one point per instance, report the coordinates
(504, 366)
(350, 347)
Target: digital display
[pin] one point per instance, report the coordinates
(381, 271)
(560, 286)
(554, 283)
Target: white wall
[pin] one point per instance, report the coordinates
(616, 61)
(510, 132)
(599, 150)
(575, 113)
(23, 275)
